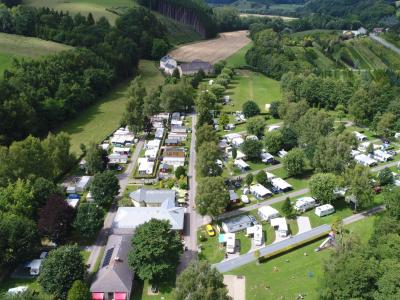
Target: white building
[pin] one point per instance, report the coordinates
(267, 213)
(174, 161)
(237, 142)
(168, 64)
(360, 137)
(304, 203)
(260, 191)
(145, 167)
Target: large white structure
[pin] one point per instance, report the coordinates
(260, 191)
(168, 64)
(281, 184)
(365, 160)
(267, 213)
(280, 226)
(304, 203)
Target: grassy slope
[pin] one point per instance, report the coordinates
(286, 276)
(96, 122)
(249, 85)
(238, 59)
(177, 33)
(15, 46)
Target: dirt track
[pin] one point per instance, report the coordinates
(212, 50)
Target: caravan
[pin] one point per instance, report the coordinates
(230, 242)
(305, 203)
(324, 210)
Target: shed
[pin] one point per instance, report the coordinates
(267, 213)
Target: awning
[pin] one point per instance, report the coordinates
(97, 296)
(119, 296)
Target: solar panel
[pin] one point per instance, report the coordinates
(107, 257)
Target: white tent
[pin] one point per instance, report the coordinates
(281, 184)
(267, 213)
(260, 191)
(241, 164)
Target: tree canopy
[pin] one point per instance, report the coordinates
(212, 196)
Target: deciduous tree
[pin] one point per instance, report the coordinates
(322, 187)
(256, 126)
(89, 219)
(295, 162)
(104, 188)
(273, 141)
(250, 109)
(212, 196)
(78, 291)
(252, 149)
(207, 156)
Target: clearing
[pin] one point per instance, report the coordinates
(248, 85)
(15, 46)
(213, 50)
(102, 118)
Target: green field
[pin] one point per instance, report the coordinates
(16, 46)
(238, 59)
(249, 85)
(176, 32)
(286, 276)
(103, 117)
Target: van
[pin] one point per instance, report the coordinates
(324, 210)
(305, 203)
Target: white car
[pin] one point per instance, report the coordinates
(244, 199)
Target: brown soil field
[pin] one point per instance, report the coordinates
(212, 50)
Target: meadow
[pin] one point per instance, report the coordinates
(16, 46)
(294, 273)
(248, 85)
(103, 117)
(238, 59)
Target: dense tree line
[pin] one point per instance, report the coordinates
(35, 96)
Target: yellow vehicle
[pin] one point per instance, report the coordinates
(210, 230)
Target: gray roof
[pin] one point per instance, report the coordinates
(114, 275)
(128, 218)
(195, 66)
(232, 223)
(152, 196)
(233, 196)
(166, 58)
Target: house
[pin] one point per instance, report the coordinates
(128, 218)
(280, 226)
(115, 158)
(114, 280)
(177, 136)
(360, 137)
(281, 184)
(257, 232)
(174, 152)
(365, 160)
(168, 64)
(267, 213)
(233, 197)
(146, 167)
(237, 223)
(382, 156)
(80, 185)
(173, 161)
(260, 191)
(195, 66)
(122, 137)
(151, 198)
(241, 164)
(159, 134)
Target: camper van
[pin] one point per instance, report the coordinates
(230, 242)
(324, 210)
(305, 203)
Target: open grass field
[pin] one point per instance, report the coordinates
(16, 46)
(288, 275)
(269, 16)
(213, 50)
(99, 120)
(249, 85)
(238, 59)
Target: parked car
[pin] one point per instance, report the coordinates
(210, 230)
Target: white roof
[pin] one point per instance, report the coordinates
(230, 136)
(256, 230)
(34, 264)
(72, 202)
(260, 190)
(304, 200)
(365, 160)
(117, 156)
(151, 153)
(382, 154)
(240, 155)
(270, 176)
(359, 135)
(282, 153)
(145, 165)
(273, 127)
(324, 207)
(354, 153)
(280, 183)
(230, 238)
(266, 156)
(83, 181)
(153, 144)
(241, 163)
(280, 222)
(105, 146)
(268, 211)
(121, 149)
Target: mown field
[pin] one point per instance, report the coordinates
(287, 276)
(238, 59)
(177, 33)
(103, 117)
(249, 85)
(16, 46)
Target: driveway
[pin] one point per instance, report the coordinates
(304, 224)
(236, 286)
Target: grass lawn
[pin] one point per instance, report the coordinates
(238, 59)
(254, 86)
(140, 291)
(103, 117)
(299, 182)
(85, 255)
(288, 275)
(211, 250)
(5, 62)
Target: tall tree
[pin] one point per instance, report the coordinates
(17, 198)
(78, 291)
(156, 250)
(207, 156)
(358, 181)
(256, 126)
(177, 97)
(151, 105)
(61, 269)
(200, 281)
(294, 162)
(134, 116)
(273, 141)
(212, 196)
(89, 219)
(252, 149)
(205, 133)
(104, 188)
(250, 109)
(322, 187)
(96, 159)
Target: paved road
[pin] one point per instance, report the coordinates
(264, 203)
(385, 43)
(298, 239)
(101, 239)
(387, 165)
(192, 219)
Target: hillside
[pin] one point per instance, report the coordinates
(15, 46)
(177, 32)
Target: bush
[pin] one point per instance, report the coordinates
(250, 109)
